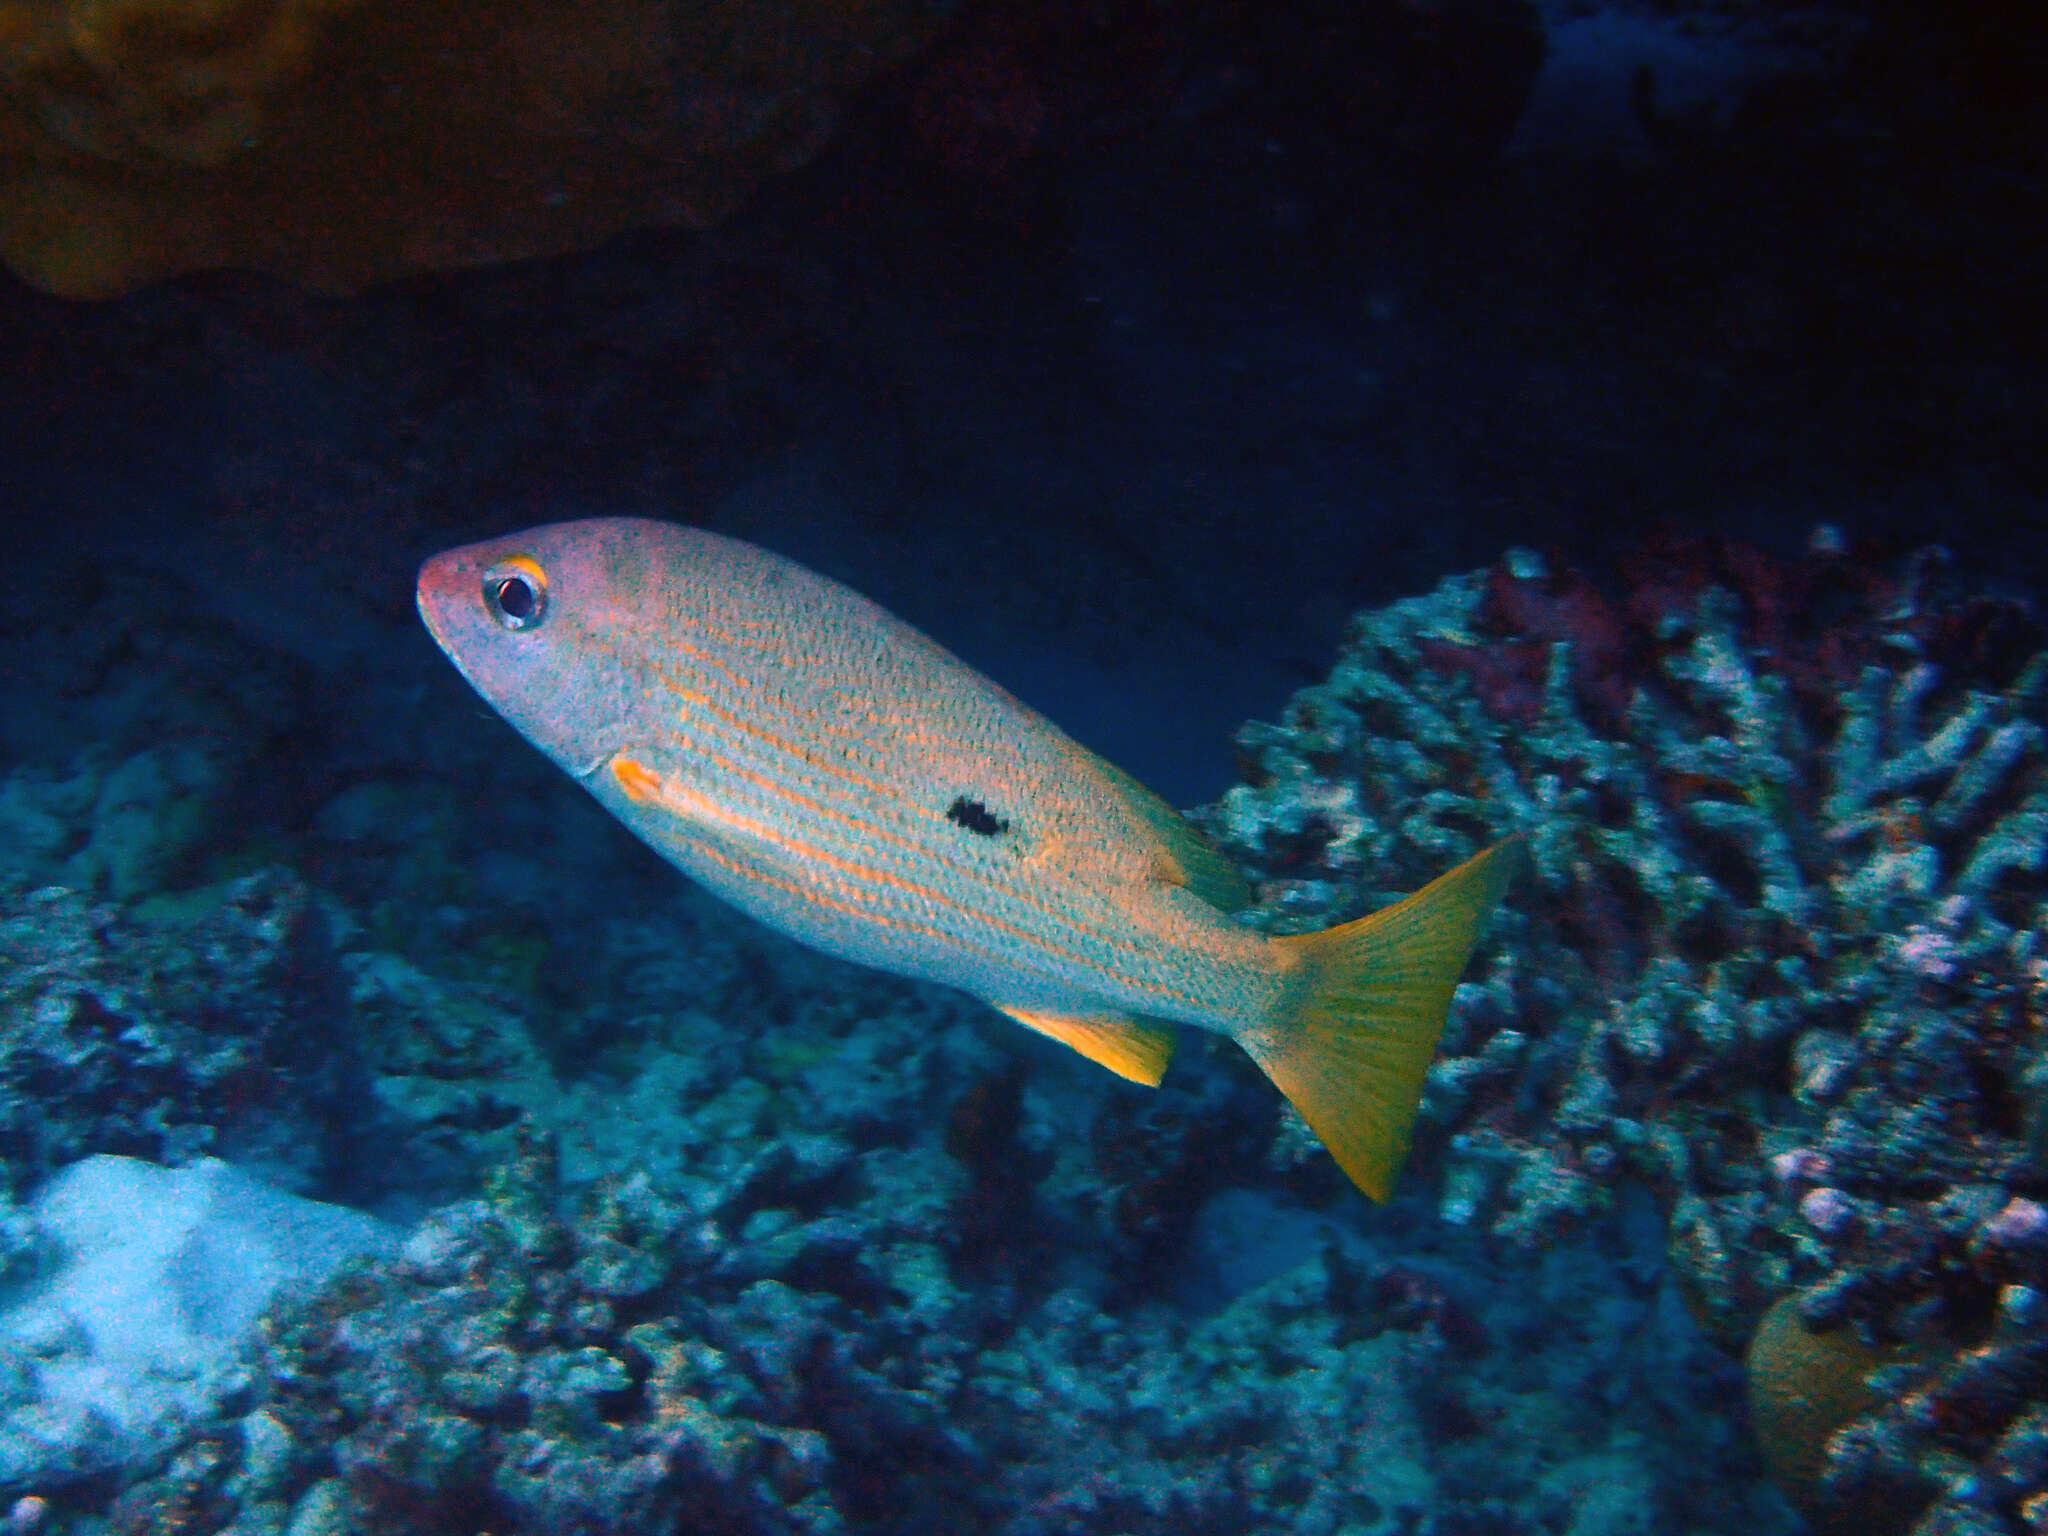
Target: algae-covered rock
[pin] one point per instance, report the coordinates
(153, 810)
(217, 1027)
(133, 734)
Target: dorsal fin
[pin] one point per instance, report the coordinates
(1187, 857)
(1131, 1048)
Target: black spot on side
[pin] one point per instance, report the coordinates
(976, 817)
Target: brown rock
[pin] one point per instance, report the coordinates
(340, 142)
(1803, 1387)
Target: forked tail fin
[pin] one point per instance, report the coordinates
(1351, 1050)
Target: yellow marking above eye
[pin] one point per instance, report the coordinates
(516, 591)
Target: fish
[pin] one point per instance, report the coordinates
(833, 772)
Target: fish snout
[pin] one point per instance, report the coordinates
(446, 586)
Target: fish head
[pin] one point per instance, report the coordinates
(551, 626)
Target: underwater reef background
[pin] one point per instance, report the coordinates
(1381, 427)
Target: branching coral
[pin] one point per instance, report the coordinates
(1782, 958)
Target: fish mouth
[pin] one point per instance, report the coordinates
(433, 616)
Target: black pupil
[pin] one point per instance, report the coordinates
(515, 598)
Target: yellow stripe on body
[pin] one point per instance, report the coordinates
(872, 883)
(905, 727)
(1050, 924)
(646, 787)
(781, 790)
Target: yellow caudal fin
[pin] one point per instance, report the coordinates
(1131, 1048)
(1351, 1050)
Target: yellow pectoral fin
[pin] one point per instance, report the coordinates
(646, 786)
(641, 783)
(1129, 1047)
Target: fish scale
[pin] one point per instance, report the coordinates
(845, 816)
(878, 854)
(836, 774)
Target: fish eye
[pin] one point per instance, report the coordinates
(516, 592)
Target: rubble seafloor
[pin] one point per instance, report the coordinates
(709, 1234)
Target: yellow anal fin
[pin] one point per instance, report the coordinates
(1352, 1048)
(1129, 1047)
